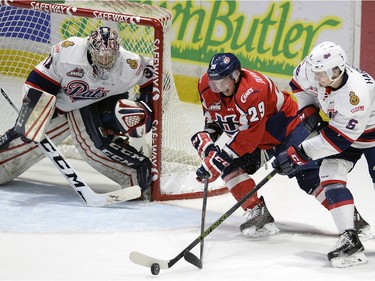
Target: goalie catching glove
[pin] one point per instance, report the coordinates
(133, 117)
(213, 165)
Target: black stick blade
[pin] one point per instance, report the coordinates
(193, 259)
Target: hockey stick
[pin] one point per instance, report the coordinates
(156, 264)
(189, 257)
(203, 218)
(92, 198)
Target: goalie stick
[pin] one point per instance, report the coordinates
(91, 198)
(144, 260)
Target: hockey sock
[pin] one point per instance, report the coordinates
(241, 188)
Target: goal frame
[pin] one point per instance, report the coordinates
(157, 92)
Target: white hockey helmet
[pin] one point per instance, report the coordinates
(104, 47)
(327, 56)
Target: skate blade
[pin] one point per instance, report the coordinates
(366, 234)
(352, 260)
(268, 229)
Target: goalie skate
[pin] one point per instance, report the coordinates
(259, 222)
(348, 251)
(362, 227)
(6, 139)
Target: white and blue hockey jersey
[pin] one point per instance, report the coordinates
(350, 108)
(69, 74)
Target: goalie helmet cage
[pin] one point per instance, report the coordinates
(28, 29)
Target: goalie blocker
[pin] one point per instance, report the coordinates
(35, 114)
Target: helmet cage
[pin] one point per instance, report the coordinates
(104, 47)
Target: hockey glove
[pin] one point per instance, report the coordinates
(213, 166)
(289, 160)
(203, 143)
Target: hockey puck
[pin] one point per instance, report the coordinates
(155, 269)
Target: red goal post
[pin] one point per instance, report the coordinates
(29, 28)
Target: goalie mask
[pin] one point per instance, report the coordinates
(104, 48)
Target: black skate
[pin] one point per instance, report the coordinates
(348, 250)
(259, 222)
(362, 227)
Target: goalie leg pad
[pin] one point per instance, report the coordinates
(19, 155)
(35, 114)
(110, 155)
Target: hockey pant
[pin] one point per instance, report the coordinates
(237, 178)
(239, 182)
(21, 155)
(306, 175)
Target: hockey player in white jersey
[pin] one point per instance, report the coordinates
(347, 96)
(82, 90)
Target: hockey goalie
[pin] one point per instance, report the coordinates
(84, 89)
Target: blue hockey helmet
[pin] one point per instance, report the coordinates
(224, 72)
(223, 65)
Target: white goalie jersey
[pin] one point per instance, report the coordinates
(68, 74)
(350, 109)
(88, 95)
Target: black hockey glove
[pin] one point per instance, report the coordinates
(288, 161)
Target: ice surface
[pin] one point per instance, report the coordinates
(48, 233)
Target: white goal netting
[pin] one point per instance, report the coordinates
(29, 29)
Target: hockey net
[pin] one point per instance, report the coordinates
(28, 29)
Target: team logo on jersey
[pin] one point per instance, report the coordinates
(133, 63)
(77, 72)
(79, 90)
(216, 106)
(353, 98)
(67, 44)
(245, 95)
